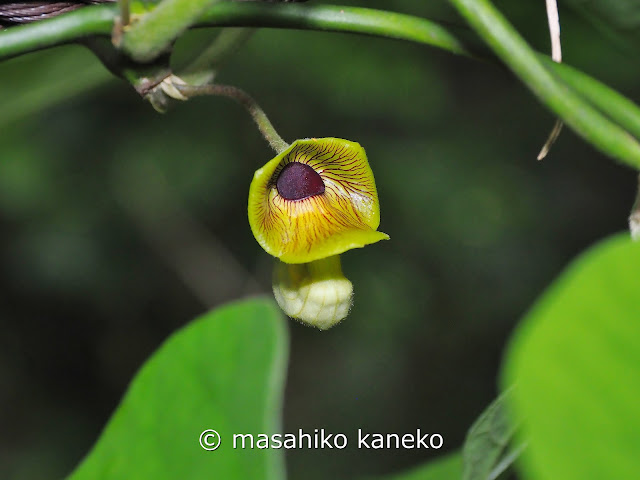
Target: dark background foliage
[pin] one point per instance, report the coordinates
(110, 214)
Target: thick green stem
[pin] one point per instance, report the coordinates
(67, 28)
(334, 18)
(546, 82)
(99, 20)
(240, 96)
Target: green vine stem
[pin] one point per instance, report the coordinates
(264, 125)
(99, 20)
(571, 94)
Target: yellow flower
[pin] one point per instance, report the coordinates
(312, 202)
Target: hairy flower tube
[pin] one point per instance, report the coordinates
(312, 202)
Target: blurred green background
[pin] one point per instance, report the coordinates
(119, 225)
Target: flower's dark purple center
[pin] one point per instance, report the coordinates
(298, 180)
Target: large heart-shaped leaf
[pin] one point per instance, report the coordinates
(575, 363)
(224, 371)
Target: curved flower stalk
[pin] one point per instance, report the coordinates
(315, 200)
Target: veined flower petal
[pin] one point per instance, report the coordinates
(325, 208)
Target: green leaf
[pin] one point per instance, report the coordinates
(578, 114)
(487, 441)
(224, 371)
(575, 361)
(448, 467)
